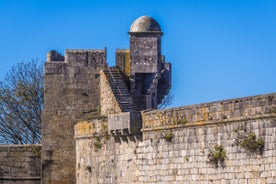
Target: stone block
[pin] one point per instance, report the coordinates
(128, 123)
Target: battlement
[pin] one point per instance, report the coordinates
(91, 58)
(20, 164)
(80, 57)
(219, 112)
(123, 61)
(232, 110)
(56, 62)
(54, 56)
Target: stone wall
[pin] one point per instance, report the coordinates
(233, 110)
(20, 164)
(145, 53)
(123, 61)
(91, 135)
(109, 104)
(71, 94)
(176, 145)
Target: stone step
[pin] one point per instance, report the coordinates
(120, 90)
(120, 87)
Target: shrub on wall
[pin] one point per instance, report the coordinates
(182, 121)
(253, 144)
(97, 144)
(168, 136)
(217, 157)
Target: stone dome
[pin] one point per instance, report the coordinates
(145, 24)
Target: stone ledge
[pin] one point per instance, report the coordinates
(213, 122)
(19, 145)
(220, 111)
(20, 178)
(126, 123)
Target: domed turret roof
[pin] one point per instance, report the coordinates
(145, 24)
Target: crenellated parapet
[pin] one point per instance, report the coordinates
(54, 56)
(56, 62)
(233, 110)
(20, 164)
(123, 61)
(86, 58)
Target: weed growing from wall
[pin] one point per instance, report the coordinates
(181, 121)
(168, 136)
(37, 151)
(186, 158)
(97, 144)
(217, 157)
(253, 144)
(95, 114)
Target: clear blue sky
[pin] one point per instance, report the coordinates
(219, 49)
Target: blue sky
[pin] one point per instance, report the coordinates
(218, 49)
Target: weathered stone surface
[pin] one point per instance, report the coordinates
(71, 94)
(150, 76)
(109, 104)
(145, 24)
(153, 159)
(125, 123)
(253, 107)
(20, 164)
(123, 61)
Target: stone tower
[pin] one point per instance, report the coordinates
(71, 94)
(147, 65)
(80, 86)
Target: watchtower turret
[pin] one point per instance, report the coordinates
(147, 65)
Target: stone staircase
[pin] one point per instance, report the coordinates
(120, 90)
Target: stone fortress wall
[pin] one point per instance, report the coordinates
(20, 164)
(100, 125)
(195, 130)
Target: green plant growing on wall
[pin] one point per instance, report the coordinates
(168, 136)
(97, 144)
(253, 144)
(92, 115)
(99, 110)
(102, 117)
(217, 157)
(37, 151)
(186, 158)
(99, 115)
(181, 121)
(95, 114)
